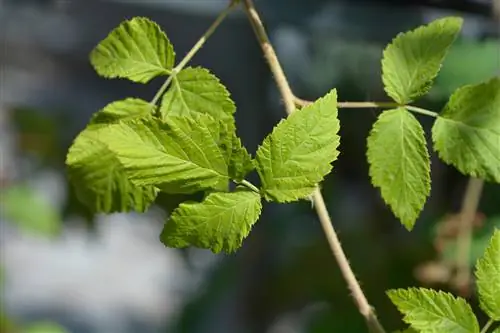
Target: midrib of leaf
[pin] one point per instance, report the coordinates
(151, 47)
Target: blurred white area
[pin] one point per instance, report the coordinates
(125, 271)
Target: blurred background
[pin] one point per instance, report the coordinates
(64, 269)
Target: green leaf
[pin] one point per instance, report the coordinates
(497, 330)
(129, 108)
(99, 178)
(180, 155)
(196, 90)
(240, 162)
(467, 132)
(137, 50)
(430, 311)
(488, 278)
(399, 163)
(219, 223)
(296, 156)
(413, 59)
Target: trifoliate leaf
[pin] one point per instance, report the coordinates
(296, 156)
(488, 278)
(130, 108)
(196, 90)
(99, 178)
(180, 155)
(219, 223)
(399, 163)
(413, 59)
(137, 50)
(467, 133)
(430, 311)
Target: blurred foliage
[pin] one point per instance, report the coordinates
(30, 211)
(468, 62)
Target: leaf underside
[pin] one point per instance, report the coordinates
(467, 132)
(399, 163)
(413, 59)
(219, 223)
(137, 50)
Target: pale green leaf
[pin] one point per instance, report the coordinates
(430, 311)
(99, 178)
(296, 156)
(413, 59)
(488, 278)
(196, 90)
(467, 132)
(219, 223)
(180, 155)
(137, 50)
(130, 108)
(399, 163)
(497, 330)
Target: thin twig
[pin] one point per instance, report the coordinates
(370, 105)
(199, 44)
(487, 326)
(289, 99)
(470, 203)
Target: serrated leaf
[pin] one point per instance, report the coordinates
(180, 155)
(239, 161)
(219, 223)
(413, 59)
(129, 108)
(488, 278)
(399, 163)
(430, 311)
(467, 132)
(137, 50)
(196, 90)
(99, 178)
(296, 156)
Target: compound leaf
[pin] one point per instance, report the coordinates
(296, 156)
(399, 163)
(99, 178)
(413, 59)
(130, 108)
(219, 223)
(196, 90)
(137, 50)
(180, 155)
(467, 132)
(430, 311)
(488, 278)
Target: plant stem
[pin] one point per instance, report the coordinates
(199, 44)
(249, 185)
(289, 99)
(487, 326)
(421, 111)
(369, 105)
(470, 203)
